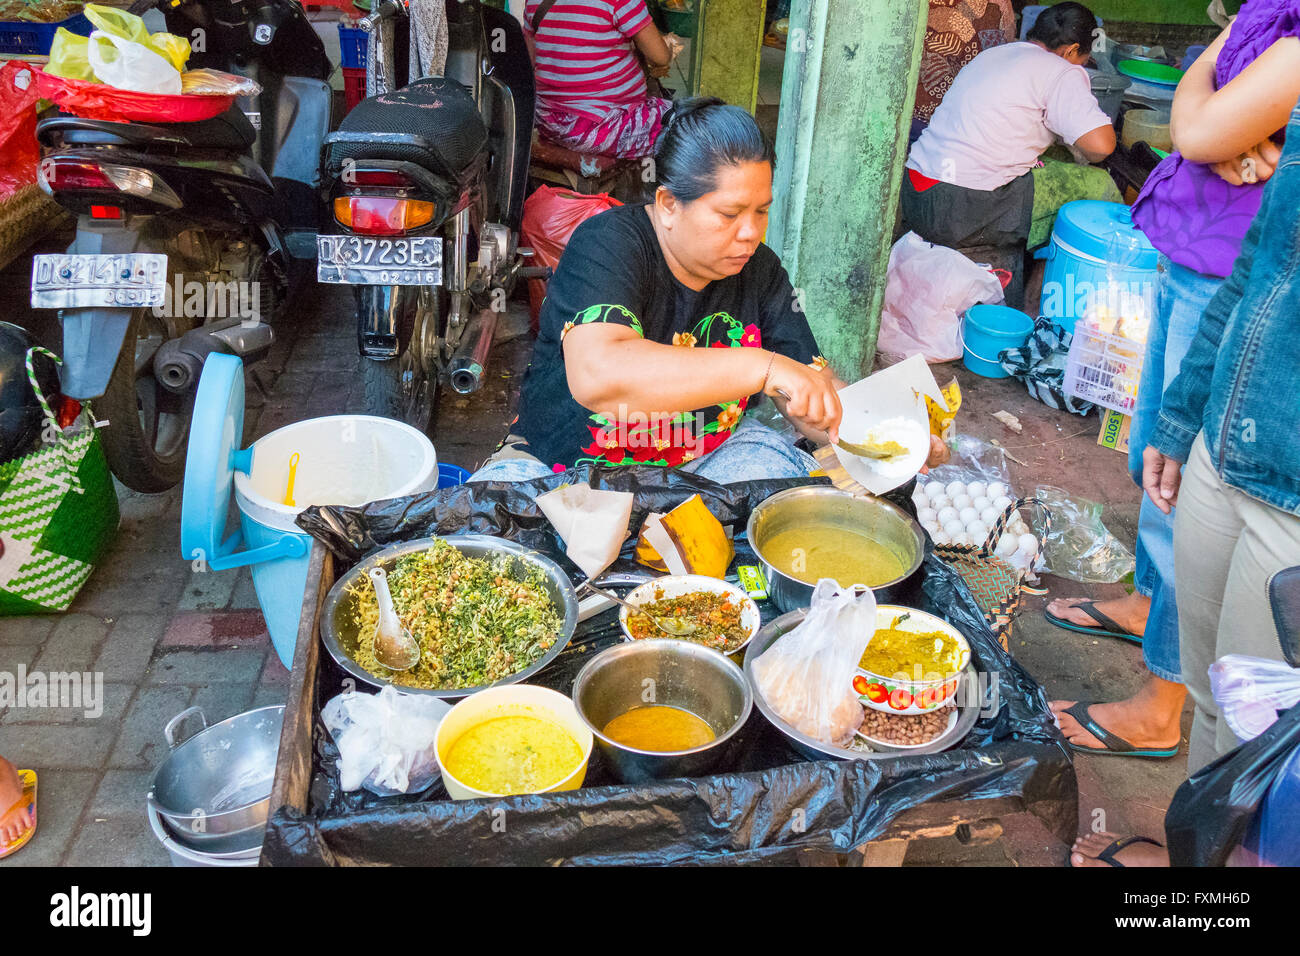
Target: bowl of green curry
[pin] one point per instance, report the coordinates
(485, 612)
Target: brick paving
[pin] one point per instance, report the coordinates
(166, 637)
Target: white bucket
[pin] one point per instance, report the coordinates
(342, 460)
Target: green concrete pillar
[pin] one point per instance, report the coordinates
(725, 54)
(846, 106)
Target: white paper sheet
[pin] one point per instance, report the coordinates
(592, 523)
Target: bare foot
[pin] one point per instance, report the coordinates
(1132, 719)
(1087, 847)
(1129, 612)
(13, 822)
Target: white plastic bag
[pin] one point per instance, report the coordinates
(927, 288)
(385, 740)
(128, 65)
(1251, 691)
(806, 676)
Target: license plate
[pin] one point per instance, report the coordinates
(135, 279)
(360, 260)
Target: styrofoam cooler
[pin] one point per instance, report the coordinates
(343, 460)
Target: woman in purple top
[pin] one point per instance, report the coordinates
(1196, 206)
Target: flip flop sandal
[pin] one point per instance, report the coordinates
(1112, 744)
(1108, 627)
(28, 780)
(1107, 855)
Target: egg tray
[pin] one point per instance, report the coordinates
(988, 549)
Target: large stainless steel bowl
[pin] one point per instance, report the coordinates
(873, 517)
(669, 673)
(339, 634)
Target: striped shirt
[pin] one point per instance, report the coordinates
(584, 58)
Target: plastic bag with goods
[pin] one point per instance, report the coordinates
(19, 152)
(1078, 546)
(1251, 691)
(385, 740)
(807, 675)
(69, 57)
(217, 82)
(120, 52)
(551, 215)
(927, 288)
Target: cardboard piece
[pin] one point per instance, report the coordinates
(898, 392)
(1114, 430)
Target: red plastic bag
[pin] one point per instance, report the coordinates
(19, 152)
(551, 215)
(103, 102)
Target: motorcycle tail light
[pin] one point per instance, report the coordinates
(65, 175)
(61, 174)
(105, 212)
(382, 216)
(377, 177)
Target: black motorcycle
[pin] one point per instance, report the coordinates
(425, 182)
(191, 237)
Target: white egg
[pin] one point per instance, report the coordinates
(934, 490)
(941, 537)
(978, 531)
(1002, 502)
(962, 501)
(1018, 526)
(943, 501)
(980, 502)
(967, 515)
(926, 515)
(976, 488)
(988, 515)
(1028, 544)
(920, 500)
(962, 540)
(1007, 545)
(944, 515)
(994, 489)
(955, 488)
(954, 528)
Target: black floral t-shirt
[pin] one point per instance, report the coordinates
(613, 271)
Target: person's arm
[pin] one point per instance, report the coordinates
(1212, 126)
(1182, 408)
(611, 370)
(1072, 113)
(650, 42)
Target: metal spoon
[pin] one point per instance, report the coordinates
(395, 648)
(669, 625)
(864, 451)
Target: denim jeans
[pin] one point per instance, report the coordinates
(1181, 297)
(753, 452)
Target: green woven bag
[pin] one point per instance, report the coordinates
(58, 513)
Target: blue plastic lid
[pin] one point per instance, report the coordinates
(1103, 229)
(216, 431)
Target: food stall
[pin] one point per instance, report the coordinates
(774, 794)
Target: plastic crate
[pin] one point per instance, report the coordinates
(352, 45)
(354, 87)
(1104, 368)
(21, 38)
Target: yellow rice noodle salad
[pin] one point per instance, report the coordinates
(477, 620)
(892, 651)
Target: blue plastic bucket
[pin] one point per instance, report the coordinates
(449, 476)
(986, 331)
(1095, 247)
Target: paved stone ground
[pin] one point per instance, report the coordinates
(167, 638)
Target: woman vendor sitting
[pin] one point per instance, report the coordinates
(974, 177)
(591, 88)
(664, 322)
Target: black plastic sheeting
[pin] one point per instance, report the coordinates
(773, 803)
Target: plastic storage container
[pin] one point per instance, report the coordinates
(22, 38)
(343, 459)
(354, 86)
(986, 331)
(1104, 369)
(1109, 89)
(1094, 245)
(352, 47)
(1147, 126)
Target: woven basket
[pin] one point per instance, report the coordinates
(25, 216)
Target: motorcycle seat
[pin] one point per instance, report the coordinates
(433, 122)
(230, 131)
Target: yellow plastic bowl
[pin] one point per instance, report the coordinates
(514, 700)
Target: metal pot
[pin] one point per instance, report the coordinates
(213, 792)
(874, 517)
(690, 676)
(339, 633)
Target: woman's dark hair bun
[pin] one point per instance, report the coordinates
(699, 136)
(1062, 24)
